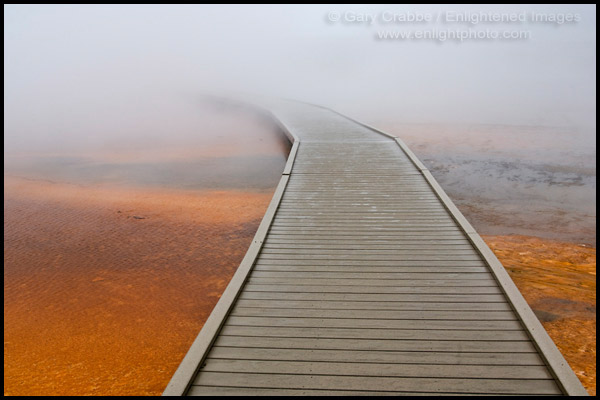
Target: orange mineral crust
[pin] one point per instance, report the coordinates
(558, 280)
(112, 307)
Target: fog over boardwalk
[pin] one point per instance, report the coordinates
(364, 278)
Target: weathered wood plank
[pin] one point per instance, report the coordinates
(359, 269)
(366, 244)
(395, 283)
(374, 305)
(372, 275)
(499, 386)
(377, 344)
(408, 252)
(405, 220)
(367, 263)
(378, 298)
(367, 333)
(488, 315)
(383, 357)
(397, 242)
(366, 258)
(245, 391)
(421, 208)
(362, 236)
(383, 370)
(252, 287)
(498, 325)
(401, 244)
(387, 225)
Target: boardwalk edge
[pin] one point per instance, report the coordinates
(194, 358)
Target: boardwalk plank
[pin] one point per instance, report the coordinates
(356, 269)
(367, 333)
(370, 275)
(376, 344)
(383, 357)
(383, 370)
(487, 315)
(497, 386)
(374, 305)
(359, 290)
(395, 283)
(497, 325)
(378, 298)
(246, 391)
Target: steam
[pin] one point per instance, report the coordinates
(88, 75)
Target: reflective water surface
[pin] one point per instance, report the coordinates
(113, 260)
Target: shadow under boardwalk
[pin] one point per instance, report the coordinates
(364, 279)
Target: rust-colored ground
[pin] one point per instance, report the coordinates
(106, 288)
(558, 280)
(112, 307)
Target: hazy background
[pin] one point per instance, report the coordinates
(508, 127)
(89, 75)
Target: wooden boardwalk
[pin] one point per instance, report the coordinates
(364, 279)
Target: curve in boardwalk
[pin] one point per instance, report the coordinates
(364, 278)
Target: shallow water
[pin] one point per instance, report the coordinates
(105, 288)
(530, 180)
(114, 260)
(245, 172)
